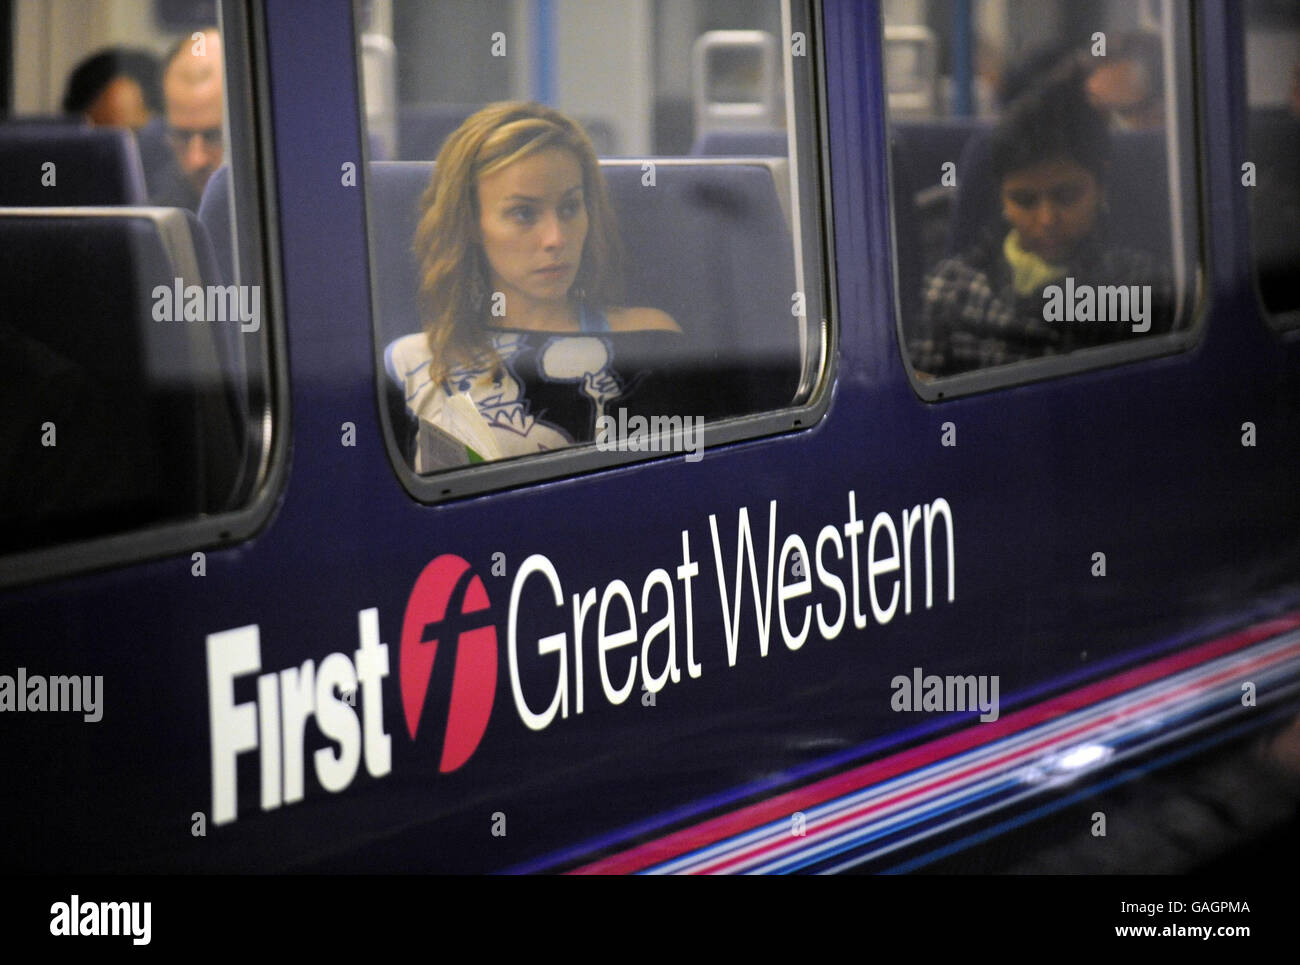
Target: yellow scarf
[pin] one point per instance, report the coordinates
(1029, 272)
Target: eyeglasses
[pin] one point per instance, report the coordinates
(181, 137)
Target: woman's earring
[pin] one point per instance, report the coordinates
(578, 294)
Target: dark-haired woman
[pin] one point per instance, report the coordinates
(987, 306)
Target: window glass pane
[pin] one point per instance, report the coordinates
(633, 261)
(132, 352)
(1273, 147)
(1040, 180)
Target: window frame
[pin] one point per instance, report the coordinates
(585, 458)
(247, 59)
(1192, 295)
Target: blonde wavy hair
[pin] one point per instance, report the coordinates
(454, 275)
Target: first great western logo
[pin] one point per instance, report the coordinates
(564, 644)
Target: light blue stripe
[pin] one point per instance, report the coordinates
(1090, 791)
(816, 852)
(1095, 671)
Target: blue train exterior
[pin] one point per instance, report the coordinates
(789, 758)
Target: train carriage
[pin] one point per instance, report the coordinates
(822, 608)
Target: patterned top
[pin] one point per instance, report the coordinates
(972, 318)
(549, 392)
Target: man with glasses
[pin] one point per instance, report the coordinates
(192, 88)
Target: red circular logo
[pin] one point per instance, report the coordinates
(448, 613)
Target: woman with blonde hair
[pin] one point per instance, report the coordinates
(519, 260)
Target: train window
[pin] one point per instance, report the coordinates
(594, 230)
(1043, 185)
(1271, 169)
(133, 348)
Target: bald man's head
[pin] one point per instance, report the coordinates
(192, 87)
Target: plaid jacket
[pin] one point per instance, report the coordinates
(972, 318)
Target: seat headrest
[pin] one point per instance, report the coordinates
(707, 243)
(86, 285)
(421, 128)
(756, 142)
(214, 214)
(91, 165)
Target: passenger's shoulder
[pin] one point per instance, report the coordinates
(640, 319)
(406, 355)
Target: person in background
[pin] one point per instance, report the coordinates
(117, 87)
(1128, 83)
(985, 307)
(1026, 72)
(194, 94)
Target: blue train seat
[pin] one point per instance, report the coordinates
(924, 146)
(421, 128)
(156, 156)
(708, 243)
(145, 427)
(756, 142)
(214, 215)
(92, 165)
(923, 207)
(1273, 145)
(394, 189)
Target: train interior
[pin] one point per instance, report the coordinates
(694, 97)
(134, 200)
